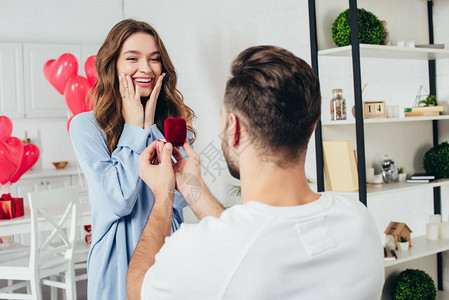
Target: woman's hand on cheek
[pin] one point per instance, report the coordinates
(150, 107)
(131, 106)
(160, 178)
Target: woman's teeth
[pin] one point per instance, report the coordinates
(143, 80)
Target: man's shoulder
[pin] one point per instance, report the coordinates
(237, 219)
(349, 203)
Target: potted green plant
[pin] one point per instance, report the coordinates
(371, 29)
(436, 161)
(413, 285)
(431, 100)
(402, 176)
(403, 243)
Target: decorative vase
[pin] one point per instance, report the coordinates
(403, 246)
(402, 177)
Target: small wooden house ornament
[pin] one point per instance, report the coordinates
(398, 230)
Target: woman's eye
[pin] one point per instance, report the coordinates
(131, 58)
(155, 59)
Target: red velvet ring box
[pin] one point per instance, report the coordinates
(175, 131)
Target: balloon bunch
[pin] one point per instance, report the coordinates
(63, 76)
(15, 157)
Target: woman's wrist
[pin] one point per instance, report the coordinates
(134, 124)
(147, 125)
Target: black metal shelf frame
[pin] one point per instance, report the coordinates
(359, 125)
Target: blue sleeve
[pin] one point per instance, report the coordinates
(116, 174)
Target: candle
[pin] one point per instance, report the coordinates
(444, 230)
(435, 219)
(432, 231)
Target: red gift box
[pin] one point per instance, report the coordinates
(11, 207)
(7, 209)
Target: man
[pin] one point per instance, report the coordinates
(285, 241)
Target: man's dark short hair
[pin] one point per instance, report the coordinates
(276, 95)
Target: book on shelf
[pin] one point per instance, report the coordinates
(422, 176)
(419, 180)
(389, 255)
(340, 166)
(434, 46)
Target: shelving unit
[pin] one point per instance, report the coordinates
(356, 51)
(388, 52)
(442, 295)
(421, 247)
(388, 120)
(397, 187)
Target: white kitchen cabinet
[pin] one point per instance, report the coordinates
(38, 180)
(41, 98)
(11, 80)
(24, 186)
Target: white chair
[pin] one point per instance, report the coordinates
(80, 254)
(54, 211)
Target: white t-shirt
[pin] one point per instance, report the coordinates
(327, 249)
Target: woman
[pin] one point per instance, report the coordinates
(135, 93)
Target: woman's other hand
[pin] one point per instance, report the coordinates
(132, 107)
(150, 107)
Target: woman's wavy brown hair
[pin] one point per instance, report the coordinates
(108, 103)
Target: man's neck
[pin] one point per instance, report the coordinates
(270, 184)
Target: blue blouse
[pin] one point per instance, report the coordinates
(121, 202)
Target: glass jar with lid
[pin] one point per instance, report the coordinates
(338, 105)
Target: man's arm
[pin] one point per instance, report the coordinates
(191, 185)
(201, 200)
(160, 178)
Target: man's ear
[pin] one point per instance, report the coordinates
(234, 130)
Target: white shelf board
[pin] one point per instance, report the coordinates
(421, 248)
(39, 173)
(442, 295)
(387, 120)
(397, 187)
(395, 52)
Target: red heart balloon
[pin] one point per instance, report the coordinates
(75, 94)
(11, 151)
(58, 72)
(29, 158)
(90, 70)
(5, 128)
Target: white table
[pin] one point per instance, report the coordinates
(23, 224)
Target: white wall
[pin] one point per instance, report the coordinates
(47, 21)
(203, 37)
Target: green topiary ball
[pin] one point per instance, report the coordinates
(371, 30)
(436, 161)
(414, 285)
